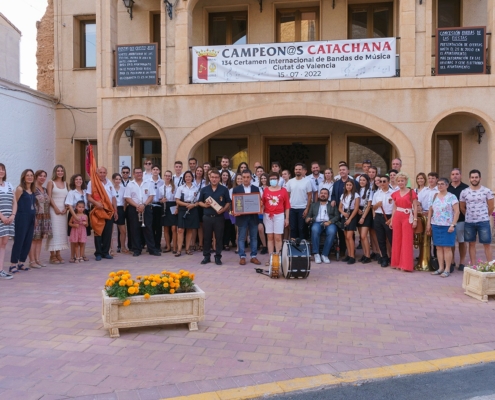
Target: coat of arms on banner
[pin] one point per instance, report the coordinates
(206, 67)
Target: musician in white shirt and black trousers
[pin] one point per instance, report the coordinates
(157, 207)
(383, 205)
(139, 197)
(188, 220)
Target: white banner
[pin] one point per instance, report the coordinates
(336, 59)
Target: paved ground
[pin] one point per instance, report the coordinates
(473, 383)
(257, 330)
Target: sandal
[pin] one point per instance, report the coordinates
(177, 254)
(73, 260)
(13, 269)
(84, 258)
(59, 258)
(125, 251)
(189, 252)
(445, 274)
(54, 260)
(200, 248)
(21, 267)
(39, 263)
(437, 272)
(32, 264)
(166, 251)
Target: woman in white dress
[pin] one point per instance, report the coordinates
(57, 191)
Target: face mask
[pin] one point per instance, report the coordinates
(273, 182)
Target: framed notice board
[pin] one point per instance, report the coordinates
(461, 51)
(136, 64)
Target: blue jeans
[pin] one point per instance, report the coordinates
(243, 227)
(481, 228)
(316, 229)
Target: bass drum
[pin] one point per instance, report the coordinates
(296, 261)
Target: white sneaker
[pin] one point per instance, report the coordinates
(317, 259)
(5, 275)
(325, 259)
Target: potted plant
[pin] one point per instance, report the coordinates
(157, 299)
(479, 280)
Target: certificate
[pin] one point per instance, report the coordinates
(246, 203)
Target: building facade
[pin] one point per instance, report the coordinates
(432, 122)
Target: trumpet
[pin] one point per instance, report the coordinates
(141, 219)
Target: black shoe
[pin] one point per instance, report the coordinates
(452, 267)
(108, 257)
(156, 253)
(206, 260)
(384, 263)
(366, 260)
(136, 254)
(362, 258)
(351, 260)
(346, 258)
(118, 249)
(218, 260)
(461, 267)
(373, 256)
(98, 258)
(264, 250)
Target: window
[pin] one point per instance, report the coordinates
(235, 149)
(449, 13)
(370, 21)
(373, 148)
(447, 153)
(152, 149)
(227, 28)
(156, 36)
(88, 44)
(297, 25)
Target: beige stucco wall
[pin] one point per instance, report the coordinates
(10, 40)
(404, 110)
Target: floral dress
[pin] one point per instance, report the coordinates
(42, 224)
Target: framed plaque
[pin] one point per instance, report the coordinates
(246, 203)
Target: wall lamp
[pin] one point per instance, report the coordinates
(129, 134)
(170, 8)
(128, 4)
(481, 131)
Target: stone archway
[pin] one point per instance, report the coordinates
(309, 110)
(112, 155)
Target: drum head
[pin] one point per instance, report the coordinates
(285, 262)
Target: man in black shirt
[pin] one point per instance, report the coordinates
(213, 220)
(456, 187)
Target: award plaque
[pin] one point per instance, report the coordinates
(246, 203)
(217, 207)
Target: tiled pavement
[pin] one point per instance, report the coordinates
(257, 330)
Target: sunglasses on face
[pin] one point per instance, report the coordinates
(148, 163)
(384, 181)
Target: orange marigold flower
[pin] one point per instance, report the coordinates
(131, 290)
(153, 284)
(129, 282)
(116, 278)
(146, 283)
(138, 277)
(147, 296)
(165, 285)
(126, 303)
(170, 279)
(122, 283)
(172, 291)
(111, 274)
(110, 283)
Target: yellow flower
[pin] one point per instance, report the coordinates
(165, 285)
(122, 283)
(164, 272)
(120, 272)
(170, 279)
(116, 278)
(147, 296)
(146, 283)
(164, 280)
(129, 282)
(172, 291)
(138, 277)
(110, 283)
(153, 284)
(181, 271)
(111, 274)
(126, 303)
(191, 276)
(131, 290)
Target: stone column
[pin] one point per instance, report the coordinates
(163, 50)
(407, 33)
(490, 28)
(428, 49)
(182, 39)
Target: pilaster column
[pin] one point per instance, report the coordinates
(163, 50)
(490, 27)
(407, 33)
(106, 39)
(182, 39)
(429, 48)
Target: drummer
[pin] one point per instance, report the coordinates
(276, 207)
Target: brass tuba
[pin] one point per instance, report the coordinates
(423, 242)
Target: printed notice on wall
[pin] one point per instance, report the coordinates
(136, 64)
(337, 59)
(461, 51)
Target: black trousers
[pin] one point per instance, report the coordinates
(342, 243)
(102, 243)
(383, 232)
(213, 224)
(156, 226)
(135, 229)
(24, 230)
(296, 223)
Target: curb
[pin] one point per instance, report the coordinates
(325, 380)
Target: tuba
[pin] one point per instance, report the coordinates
(423, 241)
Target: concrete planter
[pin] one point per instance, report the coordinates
(162, 309)
(478, 285)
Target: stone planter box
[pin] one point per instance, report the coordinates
(478, 285)
(162, 309)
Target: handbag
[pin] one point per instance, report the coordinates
(433, 264)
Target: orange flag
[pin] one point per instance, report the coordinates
(98, 216)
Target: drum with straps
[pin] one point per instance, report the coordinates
(296, 261)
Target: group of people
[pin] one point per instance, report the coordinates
(192, 211)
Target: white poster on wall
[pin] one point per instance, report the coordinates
(125, 161)
(336, 59)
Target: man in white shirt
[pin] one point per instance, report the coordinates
(225, 164)
(147, 174)
(125, 173)
(193, 164)
(300, 191)
(476, 203)
(383, 206)
(177, 177)
(316, 179)
(103, 242)
(256, 178)
(397, 165)
(157, 207)
(139, 197)
(426, 195)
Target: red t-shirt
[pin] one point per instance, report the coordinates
(275, 202)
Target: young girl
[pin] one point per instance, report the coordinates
(365, 218)
(349, 207)
(78, 233)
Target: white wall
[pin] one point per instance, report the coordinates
(27, 130)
